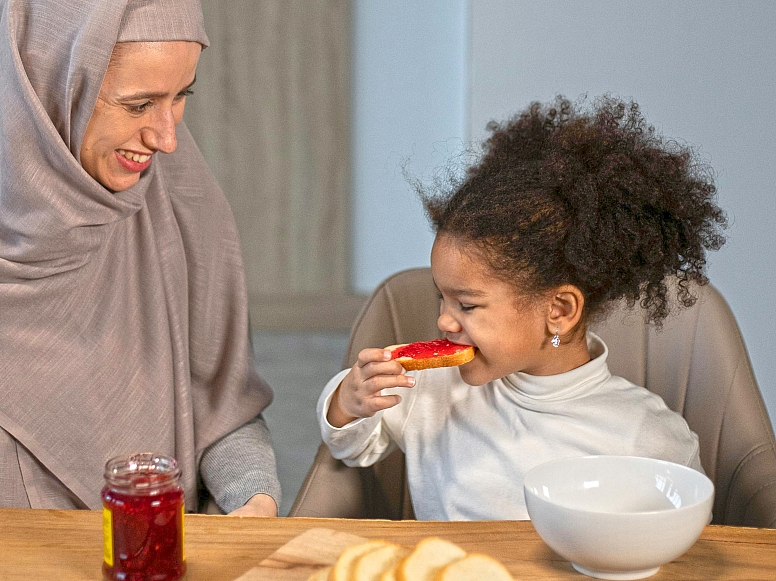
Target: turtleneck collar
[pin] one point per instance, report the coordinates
(564, 385)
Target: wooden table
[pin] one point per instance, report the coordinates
(65, 545)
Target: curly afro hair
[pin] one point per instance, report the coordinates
(590, 197)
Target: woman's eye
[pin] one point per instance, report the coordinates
(139, 108)
(183, 94)
(467, 308)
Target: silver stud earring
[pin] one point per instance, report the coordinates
(555, 339)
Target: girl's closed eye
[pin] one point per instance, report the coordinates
(464, 307)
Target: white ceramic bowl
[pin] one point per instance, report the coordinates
(618, 517)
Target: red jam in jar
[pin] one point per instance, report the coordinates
(143, 519)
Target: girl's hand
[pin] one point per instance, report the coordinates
(358, 396)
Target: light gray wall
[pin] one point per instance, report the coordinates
(703, 71)
(409, 90)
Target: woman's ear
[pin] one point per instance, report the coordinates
(566, 306)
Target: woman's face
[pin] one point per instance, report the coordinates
(141, 101)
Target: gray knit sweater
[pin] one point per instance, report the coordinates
(240, 465)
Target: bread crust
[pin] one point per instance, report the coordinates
(449, 360)
(432, 559)
(474, 566)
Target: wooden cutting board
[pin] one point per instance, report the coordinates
(302, 556)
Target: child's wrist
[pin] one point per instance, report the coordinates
(336, 416)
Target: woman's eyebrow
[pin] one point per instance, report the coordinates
(154, 95)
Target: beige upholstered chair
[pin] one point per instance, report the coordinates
(698, 364)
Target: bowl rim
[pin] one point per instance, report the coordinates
(620, 514)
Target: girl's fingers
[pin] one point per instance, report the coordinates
(366, 356)
(382, 402)
(373, 372)
(379, 382)
(382, 368)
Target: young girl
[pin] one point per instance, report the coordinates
(568, 211)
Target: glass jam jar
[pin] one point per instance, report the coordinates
(142, 510)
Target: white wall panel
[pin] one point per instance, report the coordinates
(409, 83)
(703, 71)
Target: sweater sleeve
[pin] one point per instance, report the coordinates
(240, 465)
(360, 443)
(663, 433)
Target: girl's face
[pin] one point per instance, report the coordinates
(141, 101)
(478, 309)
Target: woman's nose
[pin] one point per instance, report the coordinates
(160, 133)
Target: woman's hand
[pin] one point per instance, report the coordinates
(258, 505)
(358, 396)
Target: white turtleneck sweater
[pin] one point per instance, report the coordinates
(468, 448)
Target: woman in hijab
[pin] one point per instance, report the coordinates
(123, 310)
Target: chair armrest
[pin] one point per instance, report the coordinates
(330, 490)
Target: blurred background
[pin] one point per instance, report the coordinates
(311, 112)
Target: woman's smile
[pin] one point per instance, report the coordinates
(132, 161)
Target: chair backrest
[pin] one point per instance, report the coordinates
(697, 363)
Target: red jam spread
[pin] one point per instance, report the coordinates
(143, 522)
(427, 349)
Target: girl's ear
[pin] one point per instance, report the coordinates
(566, 307)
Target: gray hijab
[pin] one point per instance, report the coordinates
(123, 316)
